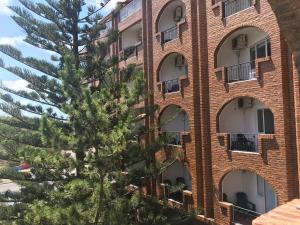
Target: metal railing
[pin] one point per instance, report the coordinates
(171, 86)
(174, 138)
(241, 72)
(140, 47)
(243, 216)
(233, 6)
(169, 34)
(243, 142)
(129, 9)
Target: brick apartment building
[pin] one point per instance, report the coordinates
(228, 95)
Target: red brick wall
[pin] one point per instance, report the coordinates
(276, 163)
(204, 95)
(131, 20)
(186, 98)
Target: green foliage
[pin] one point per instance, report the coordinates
(129, 51)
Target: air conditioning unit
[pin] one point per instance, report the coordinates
(240, 42)
(178, 14)
(179, 61)
(245, 103)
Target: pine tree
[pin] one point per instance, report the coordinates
(81, 139)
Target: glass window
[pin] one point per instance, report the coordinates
(269, 121)
(269, 47)
(252, 57)
(260, 120)
(265, 120)
(260, 50)
(260, 186)
(252, 54)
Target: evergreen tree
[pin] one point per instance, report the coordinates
(81, 139)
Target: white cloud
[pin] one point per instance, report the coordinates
(4, 7)
(14, 41)
(17, 85)
(110, 5)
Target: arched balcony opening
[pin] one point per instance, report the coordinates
(240, 53)
(250, 194)
(244, 119)
(170, 18)
(172, 72)
(130, 41)
(176, 181)
(174, 123)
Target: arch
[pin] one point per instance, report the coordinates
(166, 57)
(259, 190)
(231, 100)
(130, 36)
(175, 170)
(162, 10)
(168, 109)
(233, 31)
(229, 170)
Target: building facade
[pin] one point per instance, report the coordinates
(228, 96)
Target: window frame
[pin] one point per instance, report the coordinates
(260, 186)
(264, 121)
(266, 41)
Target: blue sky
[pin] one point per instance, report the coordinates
(13, 35)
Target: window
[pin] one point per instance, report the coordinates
(265, 121)
(261, 49)
(260, 186)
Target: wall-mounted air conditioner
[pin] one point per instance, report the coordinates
(245, 103)
(178, 14)
(240, 42)
(179, 61)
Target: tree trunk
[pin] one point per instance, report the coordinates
(100, 201)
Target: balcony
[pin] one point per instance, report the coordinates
(241, 72)
(171, 85)
(234, 6)
(130, 42)
(174, 125)
(169, 34)
(244, 119)
(130, 9)
(249, 194)
(172, 73)
(244, 142)
(174, 138)
(241, 54)
(176, 185)
(132, 52)
(169, 22)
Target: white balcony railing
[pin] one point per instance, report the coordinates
(233, 6)
(129, 9)
(244, 142)
(241, 72)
